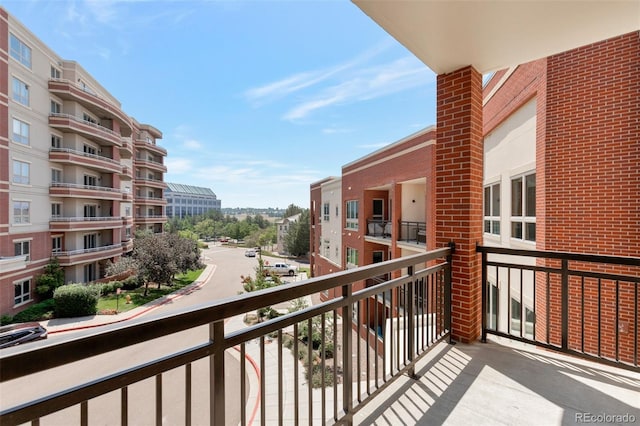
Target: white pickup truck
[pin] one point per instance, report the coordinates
(282, 269)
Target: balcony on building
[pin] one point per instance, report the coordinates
(74, 190)
(13, 263)
(75, 157)
(84, 255)
(100, 107)
(150, 200)
(126, 147)
(151, 163)
(150, 181)
(92, 131)
(149, 145)
(61, 223)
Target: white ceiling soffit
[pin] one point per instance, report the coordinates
(492, 35)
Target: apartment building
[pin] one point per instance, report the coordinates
(560, 173)
(327, 227)
(77, 174)
(188, 200)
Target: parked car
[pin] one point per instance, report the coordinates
(282, 269)
(250, 253)
(15, 334)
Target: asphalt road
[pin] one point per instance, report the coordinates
(225, 282)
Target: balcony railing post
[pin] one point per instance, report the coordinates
(347, 351)
(216, 374)
(447, 291)
(485, 302)
(410, 329)
(565, 303)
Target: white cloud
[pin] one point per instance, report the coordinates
(178, 165)
(192, 144)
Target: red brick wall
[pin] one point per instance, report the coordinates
(459, 157)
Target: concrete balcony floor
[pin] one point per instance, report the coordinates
(506, 383)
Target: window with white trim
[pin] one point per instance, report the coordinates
(56, 141)
(56, 176)
(56, 244)
(20, 91)
(56, 108)
(21, 212)
(22, 292)
(492, 209)
(352, 257)
(90, 241)
(90, 180)
(326, 248)
(20, 51)
(352, 215)
(22, 248)
(55, 73)
(56, 209)
(90, 210)
(21, 172)
(523, 207)
(325, 212)
(20, 132)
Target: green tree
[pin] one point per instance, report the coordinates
(297, 239)
(292, 210)
(205, 229)
(51, 278)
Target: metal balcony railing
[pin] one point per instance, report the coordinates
(412, 310)
(86, 154)
(379, 228)
(413, 232)
(584, 305)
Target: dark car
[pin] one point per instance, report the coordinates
(15, 334)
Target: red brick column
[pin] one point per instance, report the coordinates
(459, 157)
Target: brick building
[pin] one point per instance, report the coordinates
(77, 174)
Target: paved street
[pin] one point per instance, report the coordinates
(228, 264)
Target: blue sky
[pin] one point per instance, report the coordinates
(256, 99)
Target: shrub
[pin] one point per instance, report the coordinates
(110, 287)
(76, 300)
(131, 283)
(39, 312)
(6, 319)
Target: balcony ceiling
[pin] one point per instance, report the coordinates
(492, 35)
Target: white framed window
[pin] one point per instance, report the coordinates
(55, 73)
(56, 244)
(90, 180)
(325, 212)
(56, 209)
(56, 141)
(20, 91)
(90, 210)
(21, 212)
(352, 214)
(20, 51)
(22, 292)
(89, 272)
(326, 248)
(90, 119)
(56, 108)
(21, 172)
(90, 149)
(90, 241)
(20, 131)
(56, 176)
(127, 232)
(523, 207)
(492, 209)
(378, 209)
(22, 248)
(352, 257)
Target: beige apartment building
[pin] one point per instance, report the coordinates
(78, 176)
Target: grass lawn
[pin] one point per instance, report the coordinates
(109, 302)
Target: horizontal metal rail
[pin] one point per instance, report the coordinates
(361, 336)
(582, 304)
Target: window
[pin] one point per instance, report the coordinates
(352, 214)
(325, 212)
(21, 212)
(377, 256)
(90, 119)
(55, 73)
(90, 180)
(56, 244)
(20, 172)
(22, 292)
(56, 210)
(22, 248)
(56, 176)
(326, 248)
(90, 241)
(56, 141)
(378, 209)
(89, 272)
(20, 132)
(127, 211)
(523, 208)
(56, 108)
(20, 51)
(336, 211)
(127, 233)
(20, 92)
(90, 210)
(90, 149)
(352, 257)
(492, 209)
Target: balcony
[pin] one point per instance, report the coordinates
(152, 165)
(126, 148)
(13, 263)
(150, 182)
(74, 190)
(394, 362)
(84, 223)
(80, 158)
(74, 257)
(150, 201)
(68, 90)
(92, 131)
(149, 146)
(151, 218)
